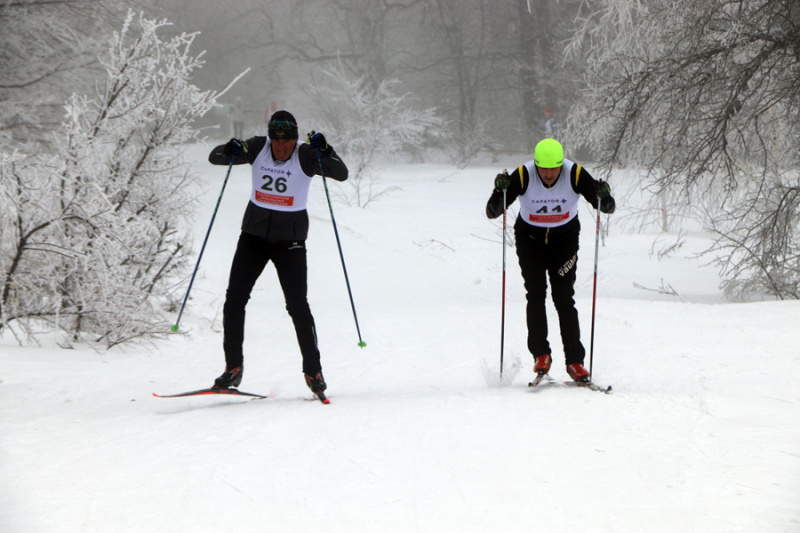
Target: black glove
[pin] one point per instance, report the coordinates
(317, 142)
(502, 181)
(235, 147)
(606, 202)
(603, 189)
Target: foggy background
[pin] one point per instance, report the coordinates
(488, 67)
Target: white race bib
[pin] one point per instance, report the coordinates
(279, 185)
(549, 207)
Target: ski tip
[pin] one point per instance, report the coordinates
(540, 378)
(593, 386)
(321, 397)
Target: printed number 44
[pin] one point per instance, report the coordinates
(556, 209)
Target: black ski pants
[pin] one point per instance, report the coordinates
(550, 254)
(289, 257)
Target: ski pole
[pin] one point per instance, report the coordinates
(202, 249)
(503, 313)
(361, 343)
(594, 290)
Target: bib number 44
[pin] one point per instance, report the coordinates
(549, 215)
(544, 210)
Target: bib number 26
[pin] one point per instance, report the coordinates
(274, 184)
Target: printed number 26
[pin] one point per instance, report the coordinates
(280, 184)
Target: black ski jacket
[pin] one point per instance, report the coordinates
(268, 224)
(586, 186)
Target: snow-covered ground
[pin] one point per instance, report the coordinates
(701, 433)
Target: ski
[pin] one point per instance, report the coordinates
(588, 385)
(211, 390)
(582, 384)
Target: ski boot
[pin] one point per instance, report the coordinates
(542, 365)
(316, 383)
(578, 373)
(230, 378)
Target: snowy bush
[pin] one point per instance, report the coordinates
(90, 236)
(368, 124)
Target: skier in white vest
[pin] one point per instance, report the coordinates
(551, 127)
(546, 233)
(274, 228)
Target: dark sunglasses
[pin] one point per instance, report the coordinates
(282, 129)
(282, 125)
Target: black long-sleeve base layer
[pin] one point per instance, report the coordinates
(251, 257)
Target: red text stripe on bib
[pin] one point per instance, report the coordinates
(549, 219)
(274, 199)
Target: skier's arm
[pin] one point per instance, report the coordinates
(315, 152)
(221, 155)
(594, 191)
(518, 182)
(332, 166)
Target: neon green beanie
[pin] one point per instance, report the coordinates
(548, 154)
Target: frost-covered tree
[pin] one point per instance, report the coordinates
(47, 51)
(706, 96)
(90, 235)
(759, 246)
(371, 124)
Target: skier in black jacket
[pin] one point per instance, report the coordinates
(546, 233)
(274, 228)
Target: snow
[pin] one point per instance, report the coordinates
(701, 433)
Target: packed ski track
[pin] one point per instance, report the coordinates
(701, 432)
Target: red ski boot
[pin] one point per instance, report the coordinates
(578, 373)
(542, 365)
